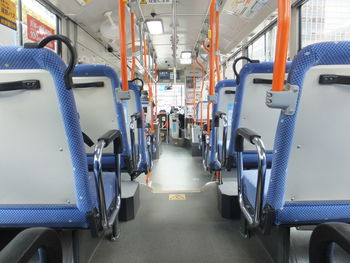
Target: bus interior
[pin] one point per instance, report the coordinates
(146, 131)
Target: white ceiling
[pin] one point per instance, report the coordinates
(190, 17)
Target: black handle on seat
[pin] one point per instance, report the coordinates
(138, 118)
(100, 84)
(138, 79)
(114, 136)
(26, 244)
(218, 116)
(72, 58)
(234, 66)
(244, 133)
(31, 84)
(327, 79)
(264, 81)
(322, 238)
(228, 92)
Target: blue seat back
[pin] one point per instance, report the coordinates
(310, 162)
(132, 106)
(225, 94)
(45, 179)
(98, 110)
(250, 110)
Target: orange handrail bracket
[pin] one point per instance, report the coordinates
(217, 48)
(202, 90)
(133, 46)
(122, 45)
(282, 42)
(205, 48)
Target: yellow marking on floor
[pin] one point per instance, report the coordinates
(177, 197)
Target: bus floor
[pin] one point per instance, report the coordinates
(188, 229)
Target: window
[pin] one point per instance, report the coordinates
(271, 36)
(324, 20)
(257, 50)
(37, 22)
(8, 29)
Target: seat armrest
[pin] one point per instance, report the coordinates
(113, 136)
(244, 133)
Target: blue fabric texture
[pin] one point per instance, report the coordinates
(216, 146)
(250, 68)
(16, 58)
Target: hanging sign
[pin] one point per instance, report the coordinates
(8, 14)
(37, 31)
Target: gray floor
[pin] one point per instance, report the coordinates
(177, 170)
(179, 231)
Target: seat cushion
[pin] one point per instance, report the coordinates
(249, 181)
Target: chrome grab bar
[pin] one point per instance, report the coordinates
(253, 218)
(115, 137)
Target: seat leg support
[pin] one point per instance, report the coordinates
(276, 244)
(115, 230)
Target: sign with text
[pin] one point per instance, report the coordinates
(8, 14)
(37, 31)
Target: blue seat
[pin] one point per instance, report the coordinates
(250, 111)
(93, 101)
(45, 179)
(308, 181)
(143, 144)
(221, 123)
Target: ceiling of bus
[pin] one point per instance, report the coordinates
(190, 17)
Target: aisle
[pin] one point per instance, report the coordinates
(189, 230)
(177, 170)
(180, 231)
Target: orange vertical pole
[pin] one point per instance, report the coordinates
(217, 22)
(211, 36)
(150, 91)
(194, 91)
(122, 45)
(155, 87)
(202, 89)
(284, 16)
(133, 46)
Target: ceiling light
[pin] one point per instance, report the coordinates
(186, 54)
(155, 26)
(185, 61)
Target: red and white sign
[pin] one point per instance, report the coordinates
(37, 31)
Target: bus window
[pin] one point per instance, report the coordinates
(257, 49)
(38, 22)
(325, 20)
(9, 23)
